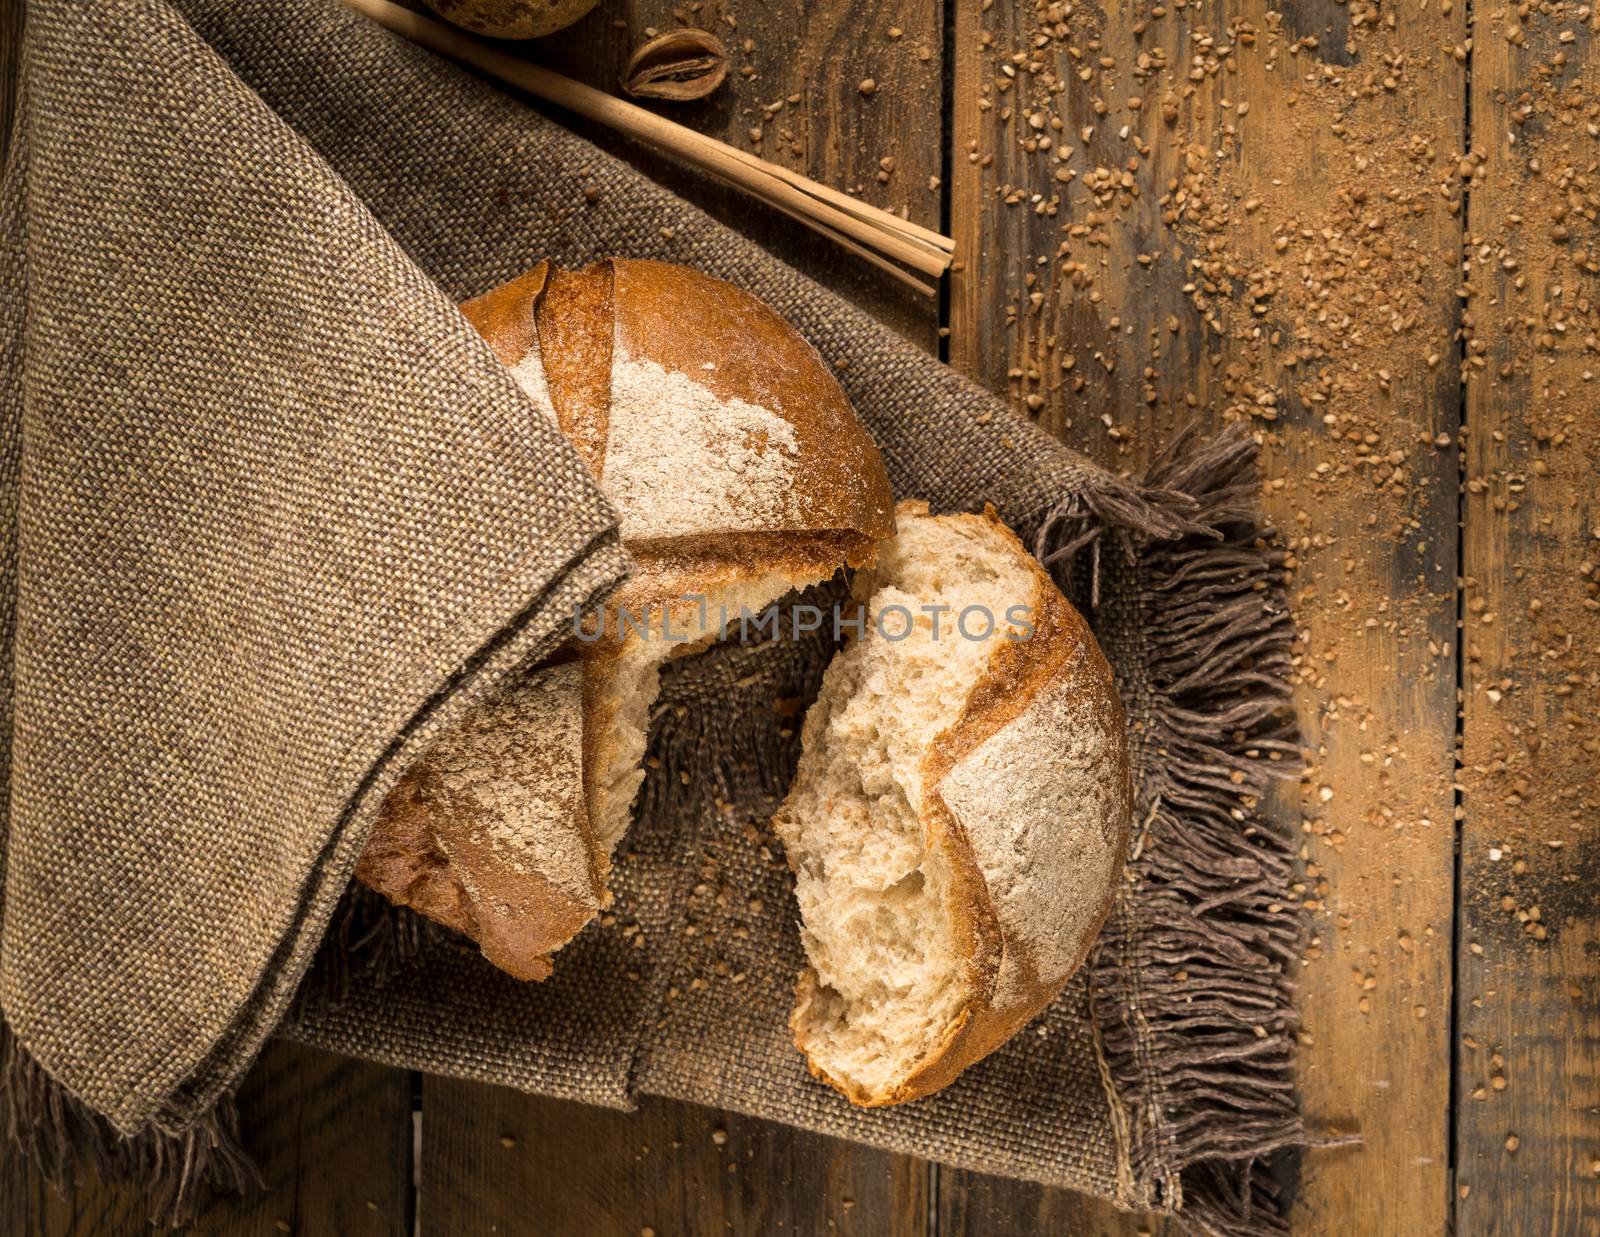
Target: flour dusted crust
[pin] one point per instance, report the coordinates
(489, 833)
(1020, 811)
(703, 414)
(747, 397)
(738, 470)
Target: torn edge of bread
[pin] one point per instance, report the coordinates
(488, 834)
(622, 682)
(960, 816)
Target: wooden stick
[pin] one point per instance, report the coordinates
(916, 232)
(844, 242)
(881, 237)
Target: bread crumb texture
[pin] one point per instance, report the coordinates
(627, 686)
(877, 922)
(1036, 799)
(898, 962)
(510, 772)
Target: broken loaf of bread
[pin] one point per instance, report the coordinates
(738, 471)
(959, 819)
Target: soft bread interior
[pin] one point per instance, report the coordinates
(624, 689)
(736, 468)
(875, 890)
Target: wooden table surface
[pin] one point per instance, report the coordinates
(1367, 229)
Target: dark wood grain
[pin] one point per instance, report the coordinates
(11, 16)
(1241, 181)
(1528, 1086)
(794, 98)
(975, 1205)
(332, 1137)
(495, 1161)
(997, 246)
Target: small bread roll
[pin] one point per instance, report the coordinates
(959, 819)
(512, 19)
(738, 471)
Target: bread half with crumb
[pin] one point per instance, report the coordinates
(960, 815)
(738, 471)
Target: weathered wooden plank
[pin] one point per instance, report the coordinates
(994, 248)
(1170, 212)
(10, 54)
(1528, 1094)
(332, 1137)
(494, 1160)
(971, 1203)
(846, 92)
(92, 1210)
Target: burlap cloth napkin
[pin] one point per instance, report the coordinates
(273, 516)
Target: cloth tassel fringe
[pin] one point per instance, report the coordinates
(1190, 984)
(65, 1139)
(1191, 974)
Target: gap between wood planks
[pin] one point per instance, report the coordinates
(1458, 792)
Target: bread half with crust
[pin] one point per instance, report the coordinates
(489, 832)
(960, 816)
(738, 470)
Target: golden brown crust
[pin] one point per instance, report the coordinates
(678, 572)
(580, 323)
(561, 333)
(403, 862)
(574, 318)
(839, 482)
(505, 316)
(488, 832)
(1016, 675)
(512, 19)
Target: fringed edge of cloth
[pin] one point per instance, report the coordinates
(1190, 984)
(176, 1170)
(1190, 991)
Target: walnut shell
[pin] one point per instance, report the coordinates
(680, 64)
(512, 19)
